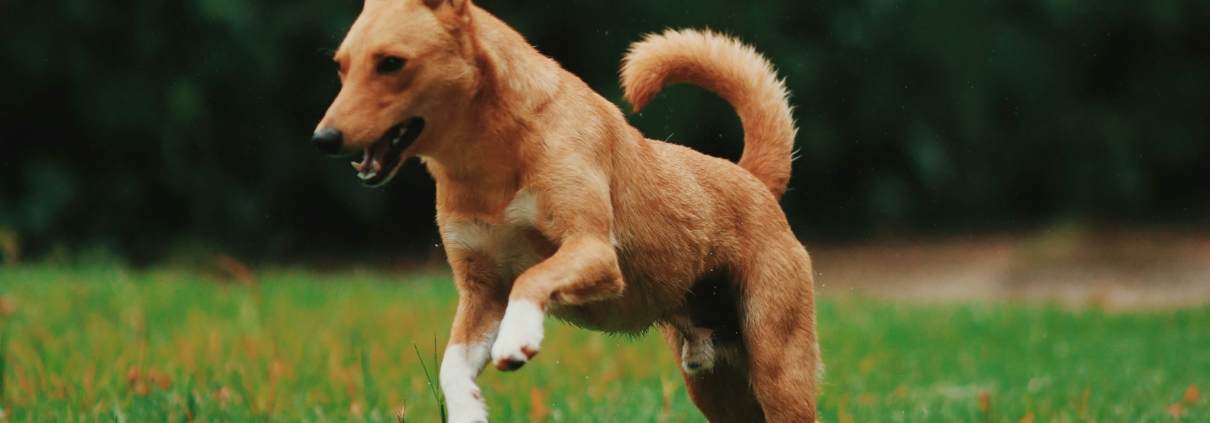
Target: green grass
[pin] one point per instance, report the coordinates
(111, 344)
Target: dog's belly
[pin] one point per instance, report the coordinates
(629, 314)
(654, 287)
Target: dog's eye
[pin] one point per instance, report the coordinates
(390, 65)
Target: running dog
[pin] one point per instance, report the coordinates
(550, 203)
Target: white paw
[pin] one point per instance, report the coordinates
(697, 355)
(459, 369)
(520, 335)
(464, 409)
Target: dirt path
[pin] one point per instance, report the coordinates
(1116, 269)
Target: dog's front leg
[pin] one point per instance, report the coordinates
(584, 269)
(481, 304)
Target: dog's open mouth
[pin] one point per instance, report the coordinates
(382, 158)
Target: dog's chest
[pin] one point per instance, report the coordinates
(514, 245)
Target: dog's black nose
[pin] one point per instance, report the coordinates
(329, 141)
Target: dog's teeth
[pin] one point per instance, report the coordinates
(367, 176)
(356, 165)
(377, 166)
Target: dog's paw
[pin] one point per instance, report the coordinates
(465, 410)
(466, 416)
(697, 355)
(463, 397)
(520, 335)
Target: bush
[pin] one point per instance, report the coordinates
(141, 124)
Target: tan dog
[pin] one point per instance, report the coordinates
(550, 203)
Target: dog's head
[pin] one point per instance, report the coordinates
(407, 71)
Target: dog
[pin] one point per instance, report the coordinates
(550, 204)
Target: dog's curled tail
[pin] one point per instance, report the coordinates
(734, 71)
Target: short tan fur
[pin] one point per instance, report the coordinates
(550, 203)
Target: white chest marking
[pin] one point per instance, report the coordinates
(508, 244)
(523, 210)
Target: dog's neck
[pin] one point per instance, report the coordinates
(484, 153)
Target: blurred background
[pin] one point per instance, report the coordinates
(146, 131)
(170, 240)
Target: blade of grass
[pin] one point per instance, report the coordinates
(371, 392)
(437, 369)
(3, 358)
(433, 386)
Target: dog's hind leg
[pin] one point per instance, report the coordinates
(723, 394)
(779, 334)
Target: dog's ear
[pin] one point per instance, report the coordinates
(456, 7)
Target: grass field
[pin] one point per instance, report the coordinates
(110, 344)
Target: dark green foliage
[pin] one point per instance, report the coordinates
(138, 124)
